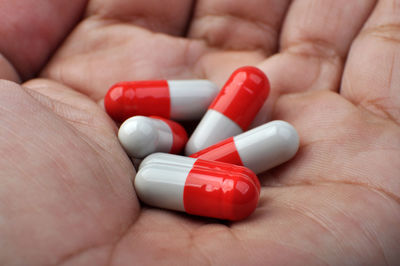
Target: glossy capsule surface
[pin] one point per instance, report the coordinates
(198, 187)
(141, 136)
(232, 111)
(259, 149)
(172, 99)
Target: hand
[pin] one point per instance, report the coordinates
(66, 194)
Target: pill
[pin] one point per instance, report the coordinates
(172, 99)
(141, 136)
(232, 110)
(259, 149)
(198, 187)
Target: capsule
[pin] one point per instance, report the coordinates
(198, 187)
(141, 136)
(171, 99)
(259, 149)
(233, 109)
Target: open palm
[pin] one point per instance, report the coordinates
(66, 195)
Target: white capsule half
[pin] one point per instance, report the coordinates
(267, 146)
(190, 98)
(162, 186)
(212, 128)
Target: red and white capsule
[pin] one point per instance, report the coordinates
(259, 149)
(233, 109)
(141, 136)
(198, 187)
(172, 99)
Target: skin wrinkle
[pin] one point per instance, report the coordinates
(61, 106)
(77, 253)
(332, 230)
(223, 229)
(381, 105)
(390, 79)
(315, 220)
(100, 151)
(68, 182)
(316, 75)
(122, 237)
(160, 20)
(137, 20)
(69, 113)
(378, 107)
(102, 166)
(195, 247)
(57, 106)
(373, 238)
(321, 181)
(292, 247)
(258, 24)
(114, 243)
(18, 167)
(386, 32)
(314, 47)
(189, 63)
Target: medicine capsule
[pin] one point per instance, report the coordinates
(259, 149)
(198, 187)
(233, 109)
(141, 136)
(172, 99)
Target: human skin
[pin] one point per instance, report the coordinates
(66, 195)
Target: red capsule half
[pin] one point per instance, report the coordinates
(127, 99)
(172, 99)
(242, 96)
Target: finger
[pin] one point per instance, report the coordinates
(30, 30)
(315, 40)
(371, 78)
(168, 16)
(239, 25)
